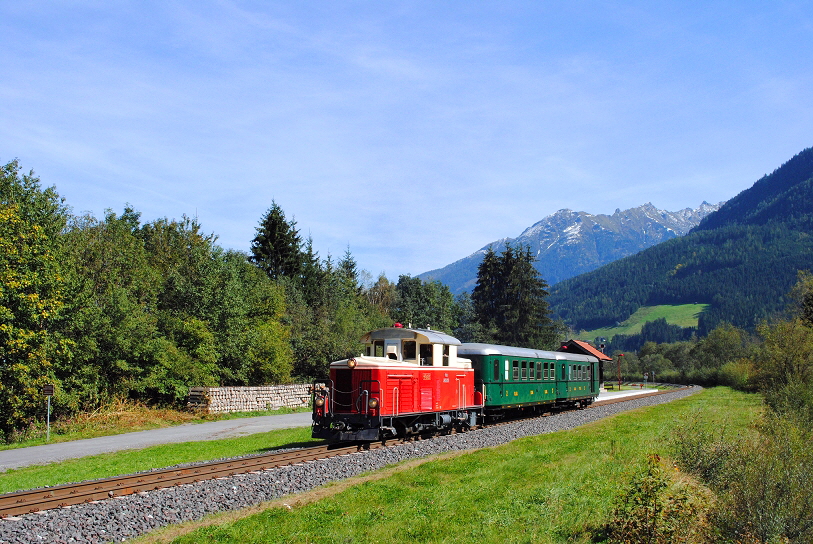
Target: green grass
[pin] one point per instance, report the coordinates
(165, 455)
(550, 488)
(684, 315)
(125, 418)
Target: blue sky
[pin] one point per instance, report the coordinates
(412, 132)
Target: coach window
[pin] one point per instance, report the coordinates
(409, 350)
(531, 374)
(524, 370)
(564, 372)
(426, 354)
(516, 371)
(496, 371)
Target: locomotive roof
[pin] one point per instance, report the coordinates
(511, 351)
(424, 335)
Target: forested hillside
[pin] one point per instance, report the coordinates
(740, 260)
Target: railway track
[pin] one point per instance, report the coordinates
(60, 496)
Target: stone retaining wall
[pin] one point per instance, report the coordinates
(217, 400)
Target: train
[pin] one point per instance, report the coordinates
(412, 381)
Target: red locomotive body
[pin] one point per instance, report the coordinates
(407, 381)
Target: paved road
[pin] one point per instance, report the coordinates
(215, 430)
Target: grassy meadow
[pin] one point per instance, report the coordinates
(559, 487)
(684, 315)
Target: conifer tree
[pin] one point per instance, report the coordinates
(510, 300)
(277, 246)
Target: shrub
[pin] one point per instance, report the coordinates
(658, 507)
(763, 485)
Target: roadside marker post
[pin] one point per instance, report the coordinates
(48, 391)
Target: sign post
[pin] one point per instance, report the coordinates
(48, 391)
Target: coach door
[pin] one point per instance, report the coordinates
(562, 380)
(592, 378)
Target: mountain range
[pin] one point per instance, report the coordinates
(568, 243)
(741, 261)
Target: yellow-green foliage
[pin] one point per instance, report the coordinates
(31, 296)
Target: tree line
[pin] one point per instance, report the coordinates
(120, 307)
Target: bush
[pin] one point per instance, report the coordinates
(659, 507)
(763, 485)
(737, 374)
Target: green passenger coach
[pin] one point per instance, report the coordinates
(521, 378)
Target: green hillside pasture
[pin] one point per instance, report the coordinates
(684, 315)
(557, 487)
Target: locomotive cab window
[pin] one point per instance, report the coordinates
(426, 354)
(445, 355)
(378, 348)
(409, 348)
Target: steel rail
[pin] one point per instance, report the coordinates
(36, 500)
(24, 502)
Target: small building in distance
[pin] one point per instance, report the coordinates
(584, 348)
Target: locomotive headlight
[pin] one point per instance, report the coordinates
(351, 363)
(320, 401)
(373, 403)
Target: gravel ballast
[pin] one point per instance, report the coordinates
(126, 517)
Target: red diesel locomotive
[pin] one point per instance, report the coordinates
(408, 381)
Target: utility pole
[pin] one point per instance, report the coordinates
(619, 370)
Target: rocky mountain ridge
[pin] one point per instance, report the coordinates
(568, 243)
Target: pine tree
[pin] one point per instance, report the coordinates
(510, 300)
(277, 247)
(487, 294)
